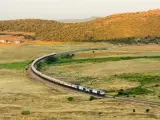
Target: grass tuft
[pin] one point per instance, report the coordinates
(25, 112)
(70, 99)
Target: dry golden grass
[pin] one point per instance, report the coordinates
(130, 50)
(104, 53)
(18, 93)
(143, 47)
(30, 51)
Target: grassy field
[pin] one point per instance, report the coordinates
(111, 75)
(32, 51)
(131, 50)
(24, 99)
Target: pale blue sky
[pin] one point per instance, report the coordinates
(70, 9)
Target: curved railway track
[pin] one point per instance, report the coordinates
(36, 74)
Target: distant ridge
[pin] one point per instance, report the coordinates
(77, 20)
(118, 26)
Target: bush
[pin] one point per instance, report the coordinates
(40, 65)
(100, 113)
(157, 85)
(51, 59)
(123, 92)
(67, 55)
(139, 91)
(25, 112)
(134, 110)
(147, 110)
(135, 91)
(92, 98)
(70, 99)
(29, 37)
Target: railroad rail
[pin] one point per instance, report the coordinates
(34, 69)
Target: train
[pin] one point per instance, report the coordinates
(62, 83)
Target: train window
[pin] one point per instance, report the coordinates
(98, 92)
(84, 89)
(90, 91)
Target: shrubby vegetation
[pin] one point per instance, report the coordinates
(132, 40)
(135, 91)
(147, 110)
(120, 27)
(134, 110)
(25, 112)
(51, 59)
(33, 37)
(91, 98)
(142, 79)
(70, 99)
(62, 60)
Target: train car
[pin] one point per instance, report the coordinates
(81, 88)
(74, 86)
(101, 92)
(89, 90)
(94, 91)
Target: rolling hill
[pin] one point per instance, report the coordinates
(118, 26)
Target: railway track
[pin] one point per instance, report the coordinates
(47, 80)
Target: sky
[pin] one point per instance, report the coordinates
(71, 9)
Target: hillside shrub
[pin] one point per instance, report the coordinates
(91, 98)
(147, 110)
(134, 110)
(67, 55)
(139, 91)
(51, 59)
